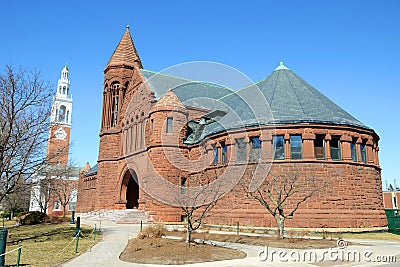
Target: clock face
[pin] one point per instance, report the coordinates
(60, 134)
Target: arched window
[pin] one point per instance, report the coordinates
(64, 90)
(60, 90)
(61, 114)
(67, 117)
(114, 104)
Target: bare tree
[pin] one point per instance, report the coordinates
(42, 186)
(54, 183)
(199, 194)
(63, 186)
(18, 199)
(25, 106)
(282, 194)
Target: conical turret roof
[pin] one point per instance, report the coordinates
(293, 100)
(125, 53)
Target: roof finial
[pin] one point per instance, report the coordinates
(127, 27)
(281, 66)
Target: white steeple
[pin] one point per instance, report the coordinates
(62, 101)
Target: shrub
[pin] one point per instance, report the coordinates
(32, 217)
(156, 230)
(56, 219)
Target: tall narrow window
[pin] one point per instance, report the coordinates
(61, 114)
(241, 154)
(353, 148)
(319, 146)
(134, 137)
(224, 153)
(296, 151)
(335, 148)
(152, 125)
(183, 185)
(114, 104)
(215, 154)
(143, 132)
(255, 149)
(169, 125)
(279, 147)
(363, 150)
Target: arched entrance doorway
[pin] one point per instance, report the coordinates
(131, 190)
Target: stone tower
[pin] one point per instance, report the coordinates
(60, 122)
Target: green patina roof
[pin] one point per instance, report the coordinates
(281, 98)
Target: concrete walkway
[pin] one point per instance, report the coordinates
(116, 236)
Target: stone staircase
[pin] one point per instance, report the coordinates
(130, 216)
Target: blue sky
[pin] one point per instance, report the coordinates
(349, 50)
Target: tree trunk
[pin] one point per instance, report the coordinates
(188, 234)
(64, 211)
(280, 222)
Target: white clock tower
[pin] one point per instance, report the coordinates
(60, 122)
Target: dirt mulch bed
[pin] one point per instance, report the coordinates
(290, 243)
(167, 251)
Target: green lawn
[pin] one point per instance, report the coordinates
(47, 244)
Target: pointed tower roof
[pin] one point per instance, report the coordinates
(125, 53)
(293, 100)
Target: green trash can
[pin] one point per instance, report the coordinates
(393, 218)
(3, 242)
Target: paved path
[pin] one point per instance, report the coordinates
(116, 236)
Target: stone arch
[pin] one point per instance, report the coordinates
(129, 192)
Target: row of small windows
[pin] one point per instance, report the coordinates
(319, 148)
(296, 149)
(278, 143)
(63, 90)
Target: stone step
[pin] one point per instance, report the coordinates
(118, 216)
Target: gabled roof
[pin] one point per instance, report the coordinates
(91, 171)
(125, 53)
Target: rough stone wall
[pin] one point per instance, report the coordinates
(87, 186)
(352, 199)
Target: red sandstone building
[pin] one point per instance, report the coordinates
(153, 124)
